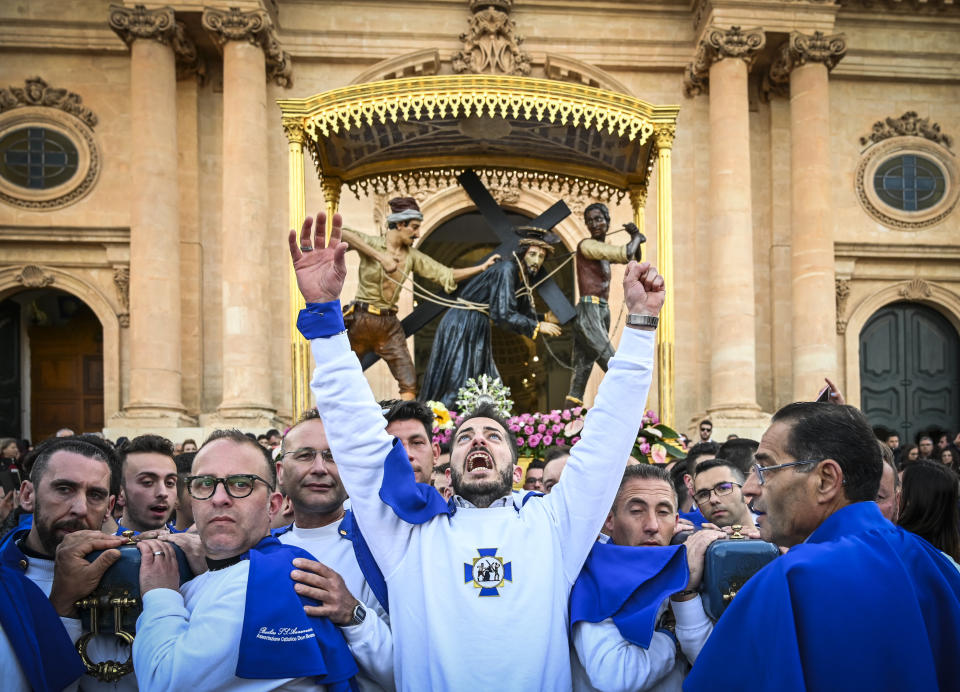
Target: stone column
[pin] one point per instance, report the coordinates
(807, 60)
(247, 40)
(154, 277)
(723, 62)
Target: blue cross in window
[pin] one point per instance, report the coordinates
(36, 158)
(908, 183)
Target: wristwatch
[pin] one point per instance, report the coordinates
(635, 320)
(359, 615)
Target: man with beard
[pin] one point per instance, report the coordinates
(307, 472)
(462, 346)
(459, 572)
(849, 579)
(69, 495)
(148, 483)
(591, 343)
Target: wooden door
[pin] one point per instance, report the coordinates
(910, 370)
(10, 422)
(66, 371)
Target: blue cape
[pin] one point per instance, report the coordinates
(279, 640)
(861, 605)
(415, 503)
(39, 641)
(696, 516)
(628, 584)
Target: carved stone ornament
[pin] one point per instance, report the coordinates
(189, 62)
(907, 125)
(121, 282)
(492, 44)
(915, 290)
(718, 44)
(257, 28)
(843, 293)
(32, 276)
(37, 92)
(801, 49)
(139, 22)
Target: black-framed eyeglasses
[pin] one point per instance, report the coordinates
(767, 469)
(706, 429)
(238, 486)
(720, 489)
(306, 455)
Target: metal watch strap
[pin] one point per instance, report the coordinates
(635, 320)
(359, 615)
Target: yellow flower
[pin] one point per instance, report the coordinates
(440, 414)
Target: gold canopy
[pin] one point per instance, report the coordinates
(564, 138)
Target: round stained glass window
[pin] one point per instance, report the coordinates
(909, 182)
(37, 158)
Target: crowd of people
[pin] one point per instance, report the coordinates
(352, 552)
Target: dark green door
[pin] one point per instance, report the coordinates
(910, 370)
(10, 422)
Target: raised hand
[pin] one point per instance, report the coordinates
(643, 289)
(320, 267)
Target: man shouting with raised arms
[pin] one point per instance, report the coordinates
(459, 574)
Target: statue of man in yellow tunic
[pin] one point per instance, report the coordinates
(385, 263)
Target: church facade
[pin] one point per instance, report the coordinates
(145, 197)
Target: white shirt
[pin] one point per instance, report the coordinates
(606, 662)
(189, 639)
(370, 642)
(454, 623)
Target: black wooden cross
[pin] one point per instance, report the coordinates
(498, 222)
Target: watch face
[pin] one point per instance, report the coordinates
(359, 613)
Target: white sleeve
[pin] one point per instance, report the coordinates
(171, 652)
(579, 503)
(612, 663)
(693, 626)
(371, 644)
(356, 431)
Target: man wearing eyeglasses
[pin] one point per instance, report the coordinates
(308, 474)
(240, 625)
(718, 493)
(821, 616)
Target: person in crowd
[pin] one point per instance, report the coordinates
(411, 422)
(888, 496)
(718, 492)
(684, 499)
(274, 438)
(9, 454)
(554, 462)
(534, 478)
(949, 456)
(613, 653)
(697, 454)
(189, 445)
(925, 444)
(739, 452)
(184, 515)
(148, 483)
(308, 474)
(240, 625)
(262, 441)
(441, 480)
(529, 556)
(705, 431)
(591, 341)
(928, 506)
(69, 494)
(817, 475)
(892, 441)
(64, 432)
(908, 454)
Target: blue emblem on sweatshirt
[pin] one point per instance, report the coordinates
(488, 572)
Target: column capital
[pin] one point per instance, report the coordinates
(719, 43)
(638, 197)
(664, 136)
(801, 49)
(293, 129)
(139, 22)
(254, 27)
